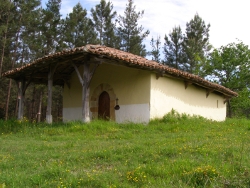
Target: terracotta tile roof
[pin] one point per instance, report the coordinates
(38, 69)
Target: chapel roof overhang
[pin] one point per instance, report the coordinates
(37, 71)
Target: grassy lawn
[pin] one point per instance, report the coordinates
(174, 152)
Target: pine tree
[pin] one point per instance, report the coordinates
(31, 31)
(25, 13)
(78, 29)
(156, 45)
(131, 34)
(196, 44)
(172, 50)
(6, 17)
(103, 17)
(51, 27)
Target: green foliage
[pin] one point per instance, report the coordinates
(173, 117)
(196, 45)
(173, 49)
(156, 45)
(130, 33)
(229, 66)
(78, 29)
(102, 17)
(241, 105)
(50, 27)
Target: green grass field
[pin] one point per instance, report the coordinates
(177, 151)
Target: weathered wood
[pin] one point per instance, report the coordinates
(20, 101)
(22, 86)
(208, 91)
(85, 82)
(186, 83)
(40, 107)
(78, 73)
(85, 92)
(49, 118)
(8, 100)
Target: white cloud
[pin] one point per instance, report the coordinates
(228, 18)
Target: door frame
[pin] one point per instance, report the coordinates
(104, 111)
(95, 97)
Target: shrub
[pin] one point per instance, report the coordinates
(174, 117)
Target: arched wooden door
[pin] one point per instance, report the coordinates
(104, 106)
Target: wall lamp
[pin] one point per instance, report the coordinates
(117, 107)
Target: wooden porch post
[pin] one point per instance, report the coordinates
(85, 82)
(40, 107)
(22, 86)
(49, 118)
(20, 101)
(85, 93)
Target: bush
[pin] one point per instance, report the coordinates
(174, 117)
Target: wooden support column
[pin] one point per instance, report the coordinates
(20, 101)
(85, 92)
(49, 118)
(40, 107)
(85, 82)
(22, 86)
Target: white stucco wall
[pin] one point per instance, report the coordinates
(137, 113)
(143, 97)
(73, 114)
(167, 93)
(131, 86)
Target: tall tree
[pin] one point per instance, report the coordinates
(31, 30)
(78, 29)
(5, 17)
(229, 66)
(156, 45)
(103, 16)
(25, 14)
(131, 34)
(173, 49)
(241, 105)
(196, 44)
(51, 27)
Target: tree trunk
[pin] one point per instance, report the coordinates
(229, 109)
(8, 100)
(4, 43)
(12, 66)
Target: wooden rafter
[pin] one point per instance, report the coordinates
(187, 83)
(208, 91)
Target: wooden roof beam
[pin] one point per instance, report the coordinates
(187, 83)
(208, 91)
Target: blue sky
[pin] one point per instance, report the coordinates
(229, 19)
